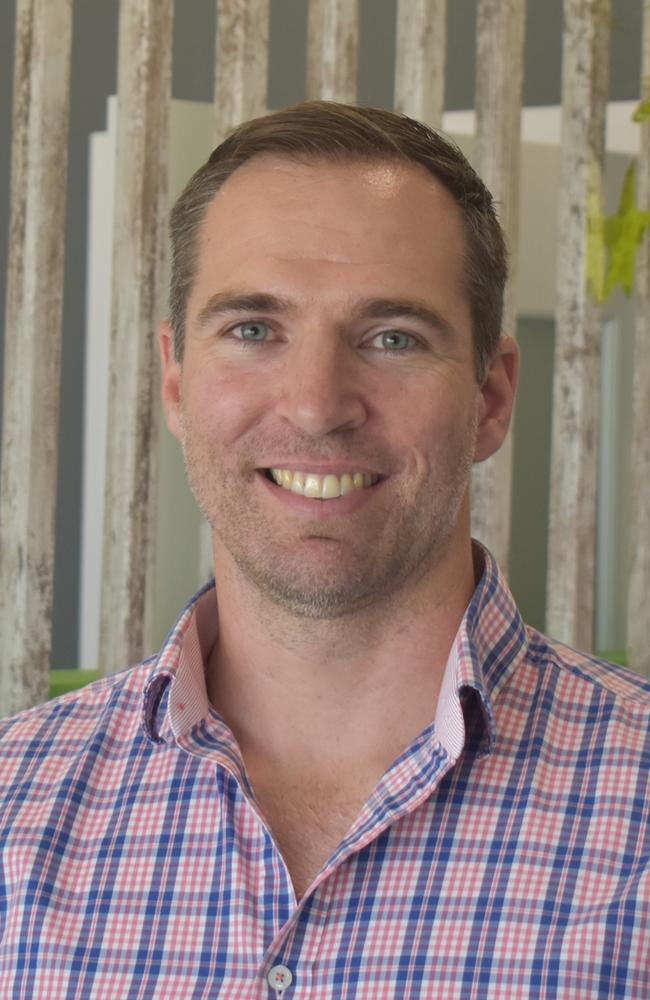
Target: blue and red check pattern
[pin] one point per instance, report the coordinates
(505, 853)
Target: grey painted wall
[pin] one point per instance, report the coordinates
(94, 77)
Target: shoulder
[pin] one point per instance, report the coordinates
(103, 715)
(609, 678)
(588, 688)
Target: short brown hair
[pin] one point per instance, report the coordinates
(340, 133)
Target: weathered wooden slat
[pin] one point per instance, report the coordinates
(240, 93)
(332, 48)
(638, 611)
(144, 74)
(572, 535)
(420, 59)
(241, 64)
(33, 348)
(499, 86)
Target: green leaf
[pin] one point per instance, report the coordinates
(642, 113)
(623, 233)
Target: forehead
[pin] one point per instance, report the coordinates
(325, 223)
(271, 183)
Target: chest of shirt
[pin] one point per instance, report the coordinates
(497, 876)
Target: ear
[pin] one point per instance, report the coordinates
(171, 380)
(498, 391)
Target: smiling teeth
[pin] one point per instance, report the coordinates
(328, 487)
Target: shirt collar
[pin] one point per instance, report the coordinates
(490, 643)
(175, 695)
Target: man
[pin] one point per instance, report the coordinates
(351, 771)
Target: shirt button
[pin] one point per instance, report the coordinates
(279, 978)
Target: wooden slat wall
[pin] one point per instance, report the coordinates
(332, 50)
(420, 59)
(638, 610)
(499, 86)
(32, 351)
(572, 531)
(144, 78)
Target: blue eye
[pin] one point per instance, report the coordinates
(394, 340)
(254, 332)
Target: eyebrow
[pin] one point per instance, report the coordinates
(244, 302)
(404, 308)
(377, 308)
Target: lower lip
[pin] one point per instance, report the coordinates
(321, 510)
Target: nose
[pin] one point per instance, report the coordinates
(321, 390)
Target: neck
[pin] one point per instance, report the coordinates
(357, 687)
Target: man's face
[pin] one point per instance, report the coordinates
(328, 337)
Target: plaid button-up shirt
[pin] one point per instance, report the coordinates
(504, 854)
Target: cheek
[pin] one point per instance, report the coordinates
(443, 434)
(222, 404)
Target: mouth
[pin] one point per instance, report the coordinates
(321, 487)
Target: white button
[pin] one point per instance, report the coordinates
(279, 978)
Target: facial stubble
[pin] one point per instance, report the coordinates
(371, 559)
